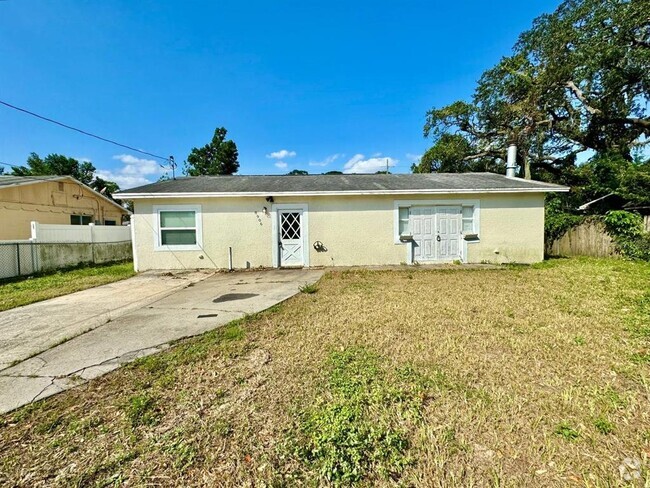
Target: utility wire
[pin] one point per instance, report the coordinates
(47, 119)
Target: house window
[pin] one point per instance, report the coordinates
(468, 220)
(404, 223)
(81, 219)
(179, 227)
(110, 222)
(60, 186)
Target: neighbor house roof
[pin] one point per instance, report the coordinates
(314, 185)
(11, 180)
(8, 181)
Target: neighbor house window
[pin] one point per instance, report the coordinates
(404, 223)
(179, 227)
(80, 219)
(110, 222)
(468, 220)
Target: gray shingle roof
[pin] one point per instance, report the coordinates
(339, 184)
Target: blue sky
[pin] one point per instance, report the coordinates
(334, 85)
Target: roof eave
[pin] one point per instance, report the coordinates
(137, 196)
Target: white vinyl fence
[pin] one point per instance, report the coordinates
(79, 233)
(61, 246)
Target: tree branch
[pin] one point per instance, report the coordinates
(581, 96)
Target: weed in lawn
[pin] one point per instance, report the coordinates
(565, 430)
(50, 424)
(182, 452)
(309, 288)
(604, 426)
(358, 429)
(142, 410)
(222, 428)
(579, 341)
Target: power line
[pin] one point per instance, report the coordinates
(47, 119)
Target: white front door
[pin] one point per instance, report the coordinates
(448, 233)
(422, 226)
(290, 242)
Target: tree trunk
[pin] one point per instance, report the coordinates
(525, 161)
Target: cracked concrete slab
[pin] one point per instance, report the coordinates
(28, 330)
(186, 311)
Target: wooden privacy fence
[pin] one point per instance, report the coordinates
(586, 239)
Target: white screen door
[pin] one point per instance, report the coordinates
(290, 240)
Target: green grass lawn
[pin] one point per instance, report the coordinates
(518, 376)
(23, 291)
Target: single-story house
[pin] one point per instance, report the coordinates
(337, 220)
(52, 200)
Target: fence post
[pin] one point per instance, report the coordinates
(18, 257)
(92, 241)
(34, 227)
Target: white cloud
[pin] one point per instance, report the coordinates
(358, 164)
(328, 160)
(281, 165)
(135, 172)
(281, 154)
(414, 158)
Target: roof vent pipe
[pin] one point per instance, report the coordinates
(511, 165)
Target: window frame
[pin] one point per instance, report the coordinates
(408, 231)
(471, 219)
(81, 219)
(198, 228)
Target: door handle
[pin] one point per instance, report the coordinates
(438, 238)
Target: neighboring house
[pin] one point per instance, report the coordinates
(337, 220)
(51, 200)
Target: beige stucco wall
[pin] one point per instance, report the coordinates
(45, 203)
(356, 230)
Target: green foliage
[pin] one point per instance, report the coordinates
(623, 225)
(309, 288)
(565, 430)
(578, 79)
(59, 165)
(604, 426)
(141, 410)
(297, 172)
(358, 429)
(452, 153)
(558, 219)
(218, 157)
(627, 230)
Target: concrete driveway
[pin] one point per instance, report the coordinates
(198, 306)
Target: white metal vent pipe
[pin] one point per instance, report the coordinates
(511, 165)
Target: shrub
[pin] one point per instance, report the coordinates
(558, 220)
(626, 228)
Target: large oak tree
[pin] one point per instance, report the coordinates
(578, 79)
